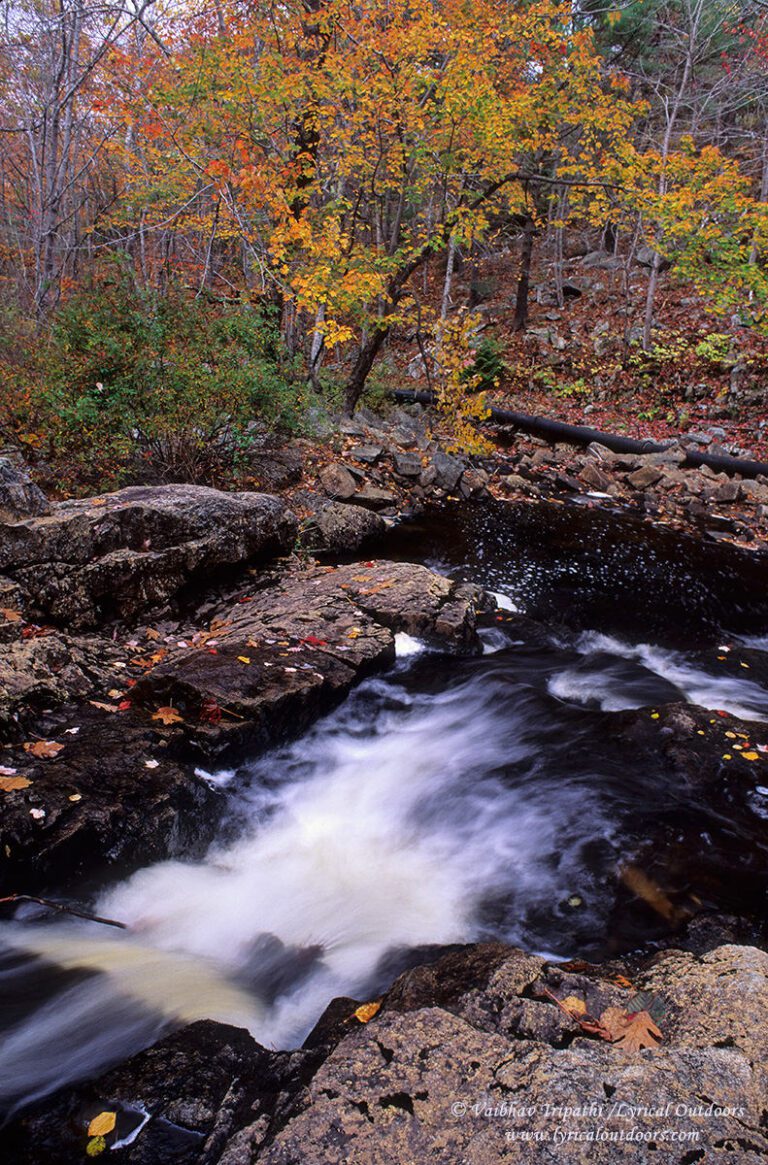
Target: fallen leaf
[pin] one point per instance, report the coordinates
(313, 641)
(151, 764)
(37, 814)
(95, 1146)
(366, 1011)
(168, 715)
(631, 1031)
(44, 748)
(102, 1124)
(152, 634)
(104, 707)
(243, 659)
(10, 615)
(575, 1005)
(5, 771)
(751, 755)
(8, 784)
(354, 633)
(75, 797)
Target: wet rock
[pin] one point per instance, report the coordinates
(112, 799)
(337, 481)
(47, 672)
(343, 529)
(294, 650)
(196, 1087)
(126, 552)
(19, 497)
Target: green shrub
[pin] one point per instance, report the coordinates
(135, 383)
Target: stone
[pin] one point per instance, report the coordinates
(343, 529)
(408, 464)
(337, 481)
(755, 492)
(19, 497)
(369, 454)
(374, 498)
(646, 476)
(728, 492)
(449, 470)
(125, 553)
(473, 482)
(594, 477)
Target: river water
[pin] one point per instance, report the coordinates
(447, 801)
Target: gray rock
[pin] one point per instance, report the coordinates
(408, 464)
(344, 529)
(19, 497)
(126, 552)
(369, 454)
(449, 470)
(374, 498)
(337, 481)
(473, 482)
(728, 492)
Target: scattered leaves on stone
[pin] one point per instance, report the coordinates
(168, 715)
(43, 748)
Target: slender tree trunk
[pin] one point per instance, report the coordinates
(520, 321)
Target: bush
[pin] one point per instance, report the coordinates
(164, 387)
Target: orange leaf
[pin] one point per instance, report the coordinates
(168, 715)
(8, 784)
(45, 748)
(366, 1011)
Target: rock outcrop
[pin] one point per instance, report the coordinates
(19, 497)
(124, 553)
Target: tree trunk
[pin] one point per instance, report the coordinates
(363, 365)
(520, 321)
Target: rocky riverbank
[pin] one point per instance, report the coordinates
(154, 634)
(480, 1054)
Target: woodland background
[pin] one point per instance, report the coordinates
(220, 220)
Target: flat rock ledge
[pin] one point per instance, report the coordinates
(135, 721)
(121, 554)
(469, 1059)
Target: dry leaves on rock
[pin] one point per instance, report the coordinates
(631, 1031)
(366, 1011)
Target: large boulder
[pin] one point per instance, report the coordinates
(19, 497)
(341, 529)
(121, 554)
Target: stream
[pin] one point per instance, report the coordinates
(447, 801)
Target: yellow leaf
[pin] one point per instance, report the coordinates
(366, 1011)
(575, 1005)
(102, 1124)
(243, 659)
(95, 1146)
(751, 755)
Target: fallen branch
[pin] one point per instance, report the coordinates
(64, 909)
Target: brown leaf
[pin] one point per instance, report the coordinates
(104, 707)
(44, 748)
(10, 615)
(168, 715)
(631, 1031)
(152, 634)
(8, 784)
